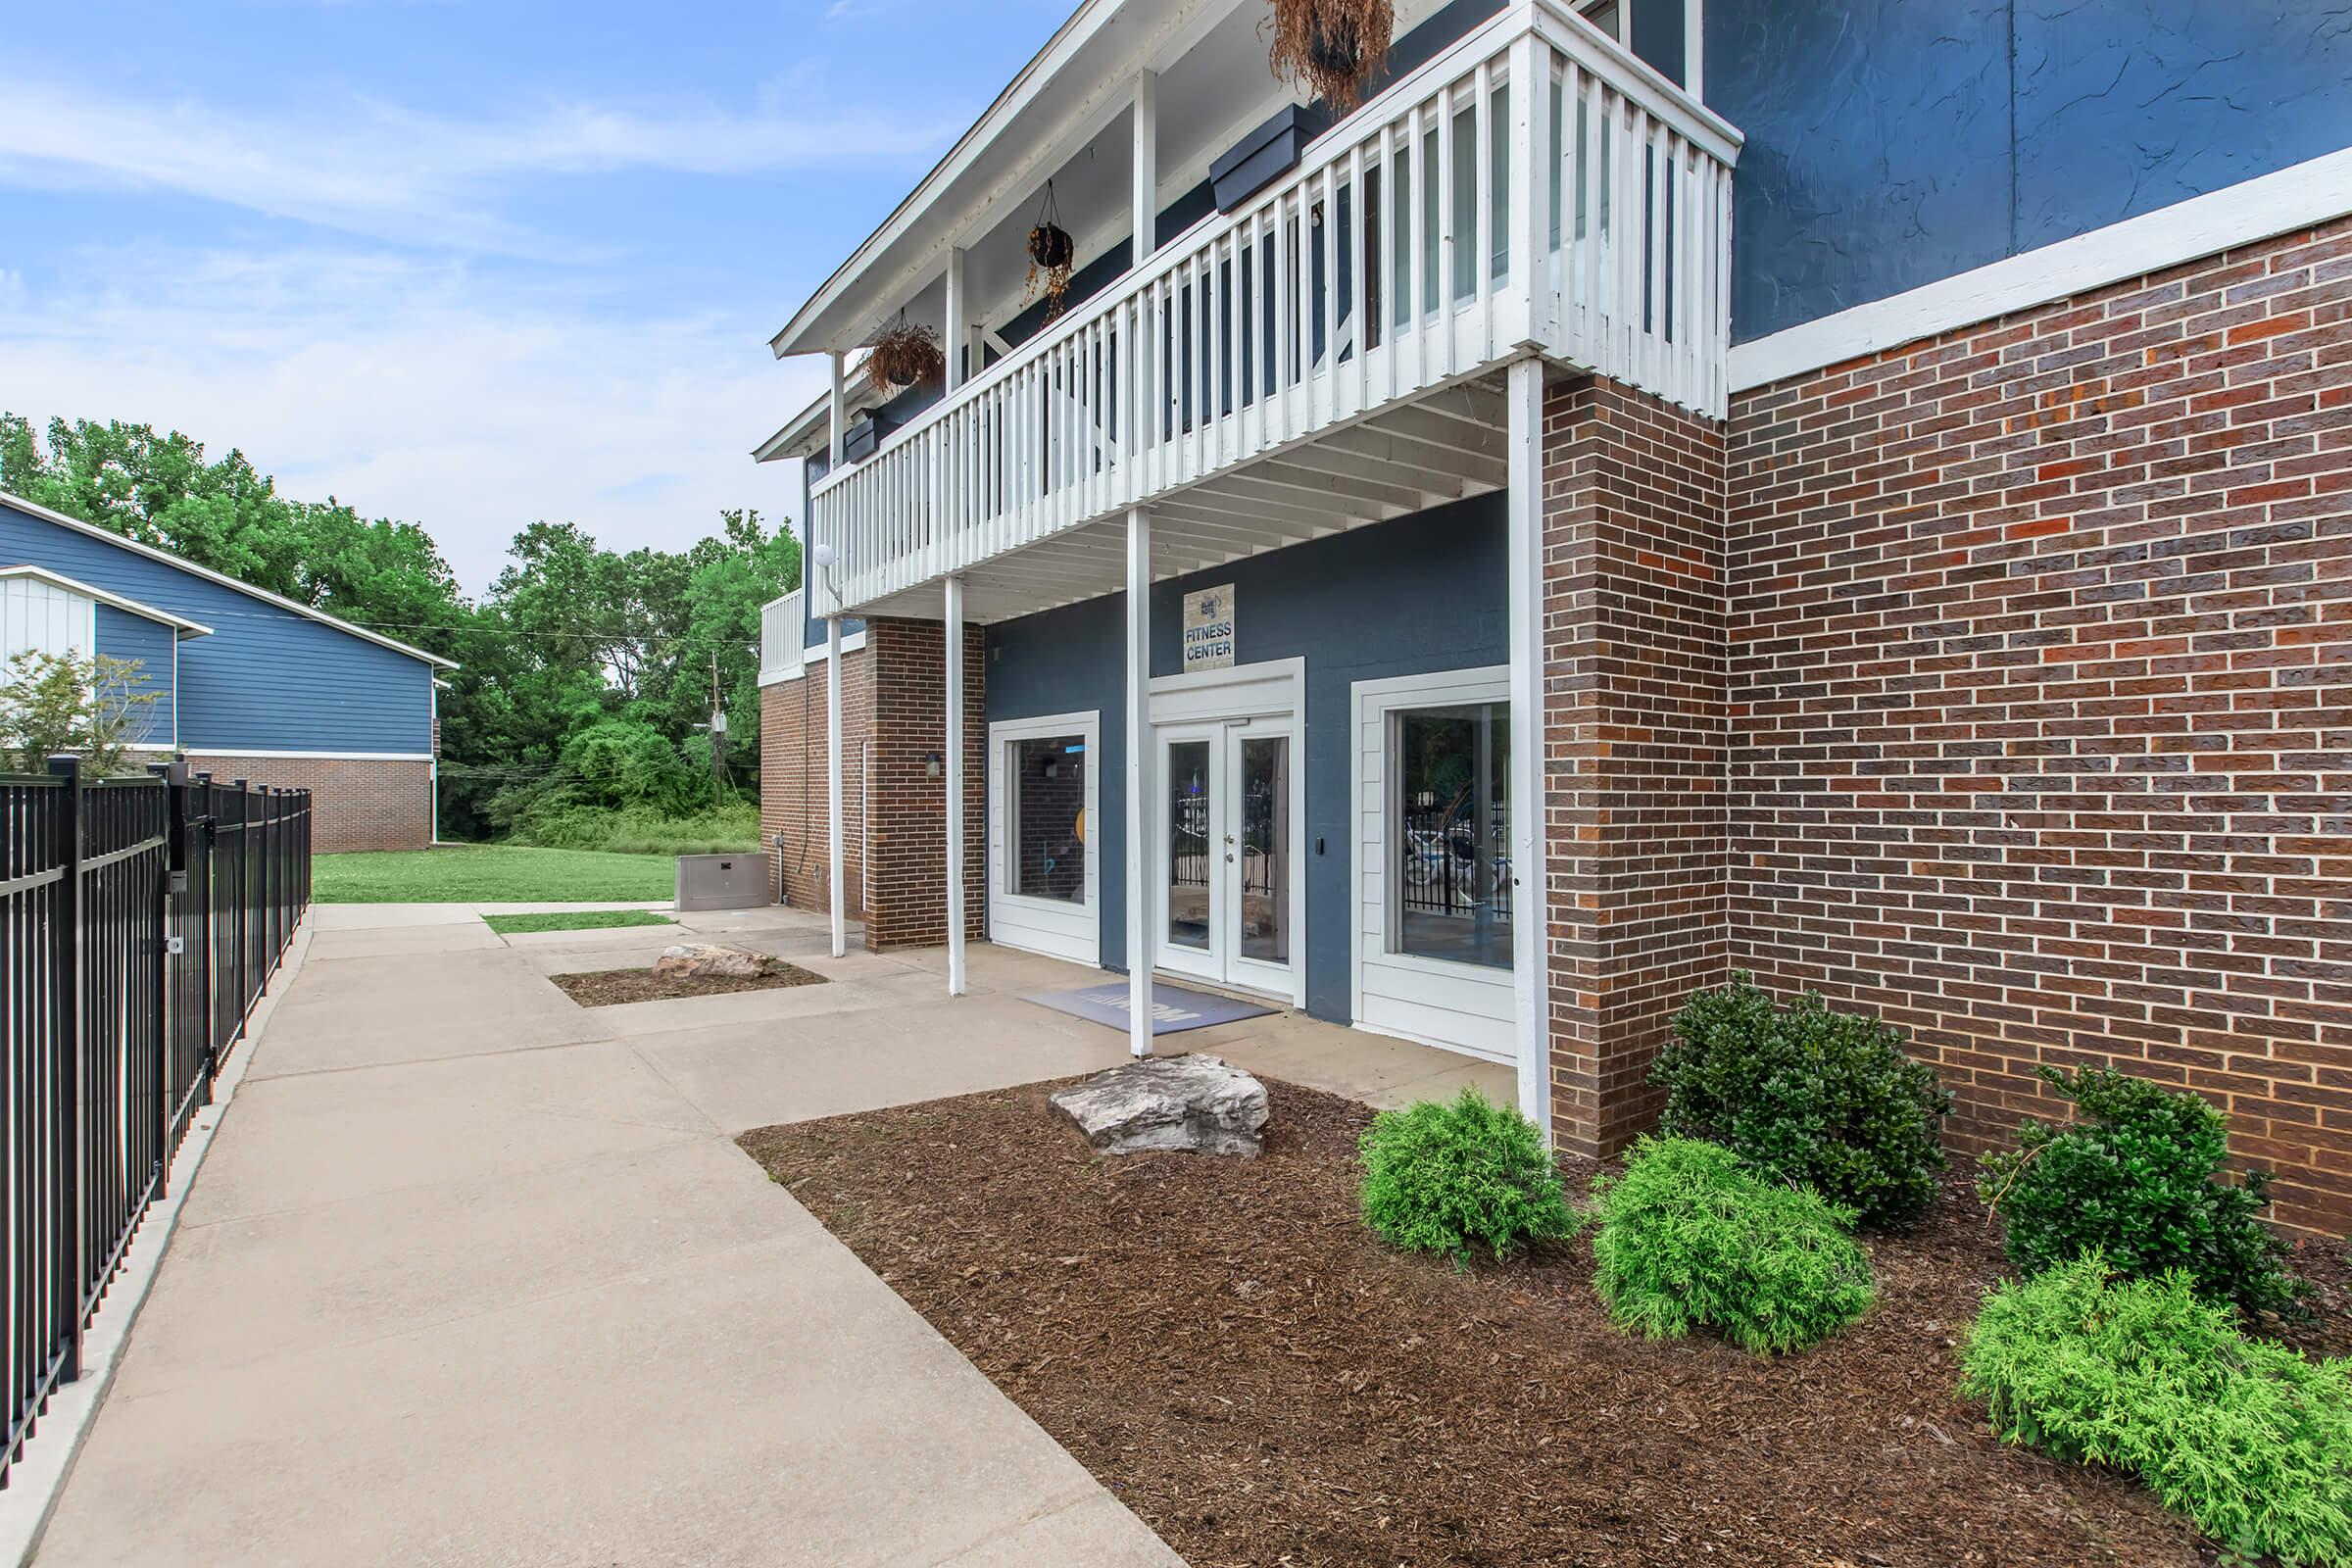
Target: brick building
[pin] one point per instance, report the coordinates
(1938, 595)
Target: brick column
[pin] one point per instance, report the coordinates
(1637, 707)
(908, 840)
(794, 795)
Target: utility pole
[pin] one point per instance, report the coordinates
(719, 728)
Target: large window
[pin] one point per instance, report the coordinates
(1450, 831)
(1046, 790)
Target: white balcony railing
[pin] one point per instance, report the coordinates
(1250, 331)
(783, 639)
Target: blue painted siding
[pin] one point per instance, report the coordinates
(1892, 143)
(1420, 594)
(266, 680)
(123, 635)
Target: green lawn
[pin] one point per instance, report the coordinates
(576, 920)
(492, 873)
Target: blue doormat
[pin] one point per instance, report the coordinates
(1174, 1010)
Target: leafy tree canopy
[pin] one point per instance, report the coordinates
(572, 636)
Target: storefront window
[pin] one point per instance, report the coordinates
(1450, 810)
(1047, 803)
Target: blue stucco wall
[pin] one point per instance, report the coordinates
(1423, 593)
(1894, 142)
(123, 635)
(267, 679)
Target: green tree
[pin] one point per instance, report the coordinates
(56, 703)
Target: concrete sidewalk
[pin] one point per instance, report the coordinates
(474, 1275)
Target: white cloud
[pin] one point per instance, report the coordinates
(419, 391)
(391, 172)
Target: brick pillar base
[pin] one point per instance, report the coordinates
(1637, 707)
(907, 841)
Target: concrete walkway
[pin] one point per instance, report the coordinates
(474, 1275)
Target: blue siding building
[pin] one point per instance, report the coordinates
(248, 684)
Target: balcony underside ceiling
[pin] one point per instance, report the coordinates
(1444, 445)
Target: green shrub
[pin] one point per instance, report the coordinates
(1459, 1177)
(1827, 1099)
(714, 831)
(2137, 1178)
(1690, 1237)
(2245, 1437)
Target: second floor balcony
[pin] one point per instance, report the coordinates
(1324, 353)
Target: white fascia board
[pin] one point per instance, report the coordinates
(1156, 32)
(2295, 197)
(180, 624)
(31, 509)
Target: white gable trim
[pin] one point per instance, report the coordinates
(184, 627)
(2293, 198)
(31, 510)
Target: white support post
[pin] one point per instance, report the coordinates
(835, 893)
(1139, 780)
(955, 747)
(954, 340)
(1530, 238)
(1147, 165)
(1531, 947)
(839, 413)
(1694, 49)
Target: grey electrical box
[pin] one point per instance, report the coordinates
(723, 881)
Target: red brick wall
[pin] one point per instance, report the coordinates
(2041, 647)
(794, 794)
(1634, 717)
(909, 842)
(355, 804)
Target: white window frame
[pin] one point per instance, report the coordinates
(1053, 928)
(1271, 689)
(1466, 1007)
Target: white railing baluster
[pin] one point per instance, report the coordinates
(1359, 328)
(1482, 340)
(1416, 159)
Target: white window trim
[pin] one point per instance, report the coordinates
(1002, 736)
(1373, 701)
(2300, 196)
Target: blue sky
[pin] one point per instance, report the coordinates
(468, 264)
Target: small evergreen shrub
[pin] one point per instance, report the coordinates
(1827, 1099)
(2245, 1437)
(2136, 1177)
(1690, 1237)
(1459, 1177)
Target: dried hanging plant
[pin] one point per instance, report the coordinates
(904, 355)
(1333, 46)
(1053, 256)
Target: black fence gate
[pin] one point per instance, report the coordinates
(140, 920)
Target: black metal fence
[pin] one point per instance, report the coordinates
(140, 920)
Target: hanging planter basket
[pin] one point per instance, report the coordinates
(904, 355)
(1333, 47)
(1053, 256)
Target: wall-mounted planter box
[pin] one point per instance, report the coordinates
(1263, 156)
(863, 436)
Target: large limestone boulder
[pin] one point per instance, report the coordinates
(1190, 1103)
(711, 961)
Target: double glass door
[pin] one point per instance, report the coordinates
(1226, 863)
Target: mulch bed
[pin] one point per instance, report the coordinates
(1223, 1344)
(606, 988)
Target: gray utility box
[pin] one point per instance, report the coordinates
(723, 881)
